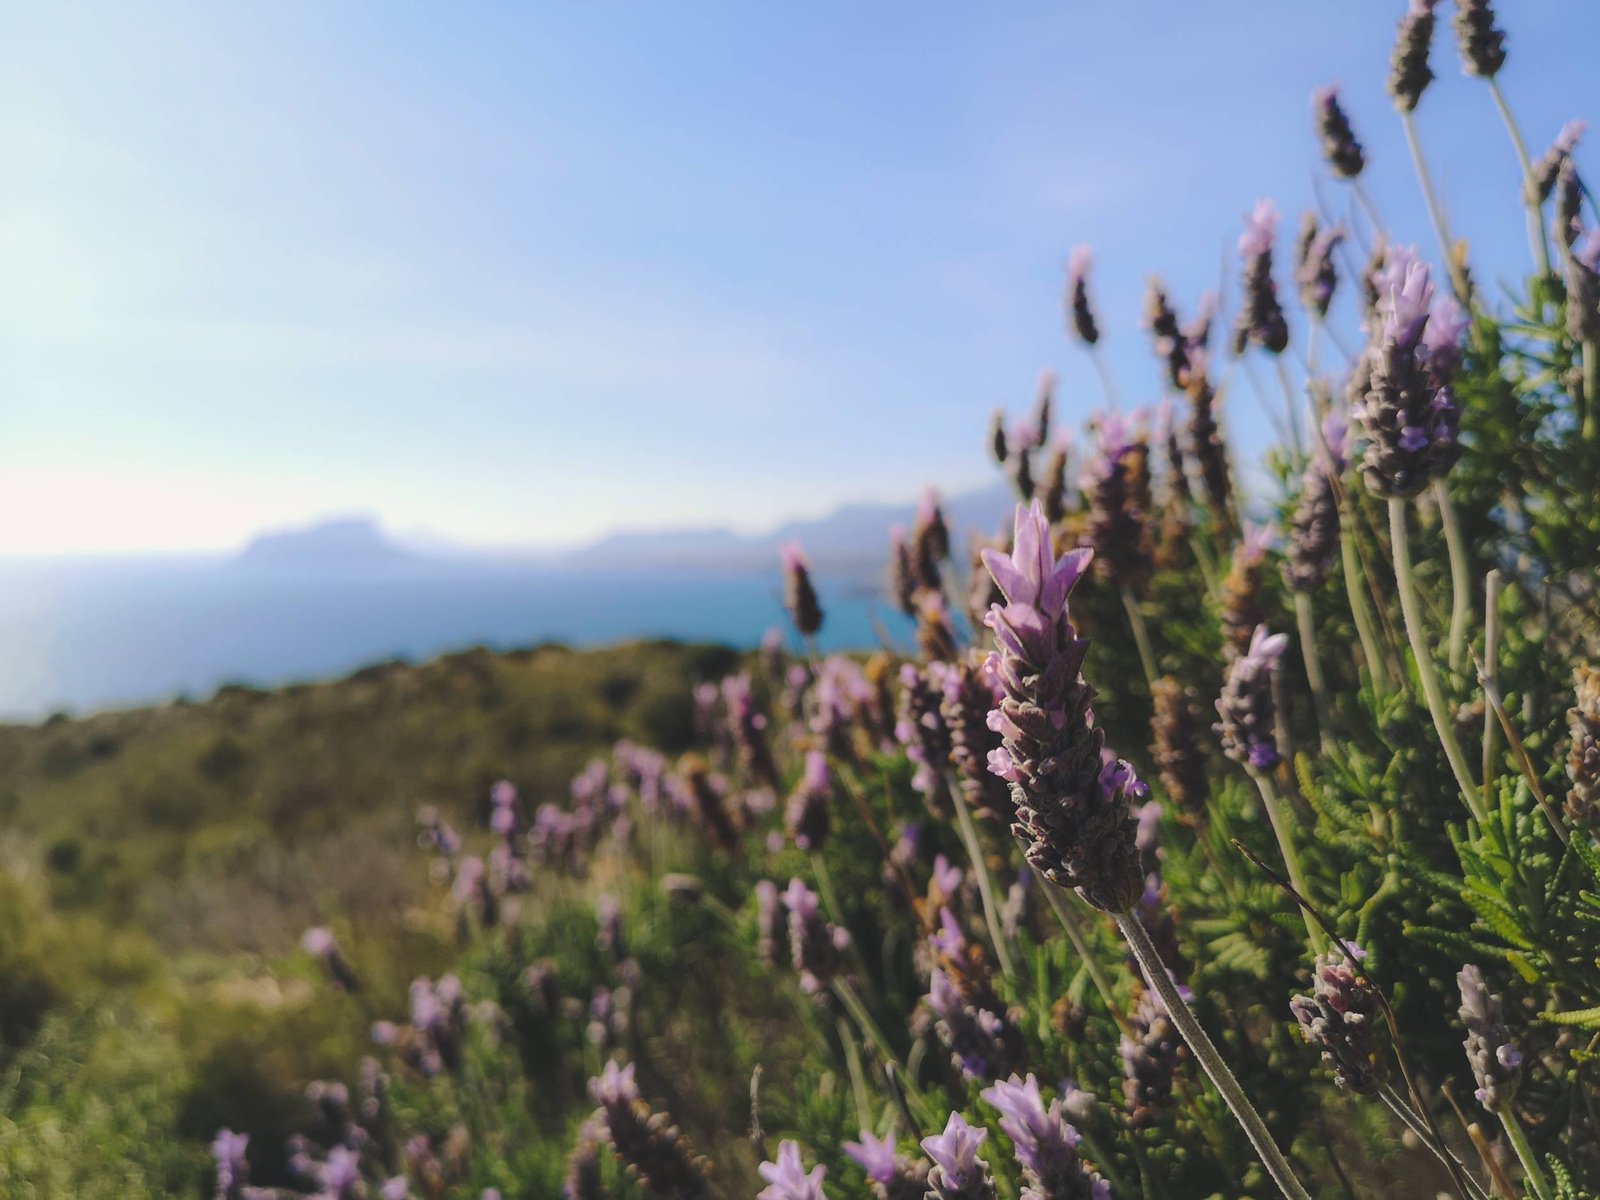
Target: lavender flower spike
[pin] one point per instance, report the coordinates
(1409, 72)
(958, 1173)
(800, 596)
(1077, 833)
(1338, 1019)
(1495, 1062)
(233, 1171)
(1339, 144)
(1046, 1145)
(892, 1176)
(787, 1178)
(1079, 312)
(1246, 707)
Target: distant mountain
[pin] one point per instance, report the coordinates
(337, 542)
(852, 537)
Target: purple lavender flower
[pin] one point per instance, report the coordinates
(1339, 145)
(1409, 73)
(800, 595)
(922, 731)
(816, 947)
(1076, 834)
(1548, 168)
(902, 577)
(958, 1173)
(340, 1173)
(1405, 405)
(1495, 1062)
(1246, 706)
(748, 726)
(1313, 533)
(968, 696)
(891, 1176)
(930, 542)
(1151, 1055)
(874, 1155)
(787, 1178)
(1583, 289)
(394, 1188)
(1483, 44)
(1317, 274)
(809, 811)
(1116, 481)
(1261, 319)
(233, 1169)
(1046, 1144)
(320, 943)
(1338, 1019)
(646, 1141)
(1080, 314)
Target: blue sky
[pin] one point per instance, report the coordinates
(519, 274)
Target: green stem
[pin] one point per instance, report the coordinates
(1283, 830)
(1530, 193)
(1411, 611)
(1591, 389)
(858, 1081)
(1460, 581)
(1141, 637)
(969, 835)
(1308, 652)
(1212, 1062)
(1491, 670)
(1435, 210)
(1108, 381)
(1518, 1137)
(819, 867)
(1376, 668)
(1293, 403)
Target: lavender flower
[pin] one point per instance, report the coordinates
(1583, 289)
(1261, 319)
(800, 596)
(1080, 315)
(233, 1169)
(1119, 529)
(772, 921)
(1569, 202)
(320, 943)
(1483, 45)
(816, 948)
(1205, 438)
(892, 1176)
(922, 731)
(1246, 705)
(982, 1040)
(1495, 1062)
(1151, 1055)
(1339, 144)
(748, 725)
(1583, 757)
(707, 794)
(1313, 535)
(1317, 274)
(968, 696)
(958, 1173)
(1408, 412)
(1338, 1018)
(1076, 832)
(1161, 321)
(998, 446)
(930, 541)
(646, 1141)
(583, 1181)
(1176, 750)
(1243, 606)
(809, 811)
(787, 1178)
(1046, 1144)
(1546, 170)
(1409, 73)
(902, 576)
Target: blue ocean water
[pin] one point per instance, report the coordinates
(82, 635)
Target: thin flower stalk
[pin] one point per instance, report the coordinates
(1491, 670)
(1436, 214)
(1283, 830)
(1537, 236)
(1307, 628)
(1460, 580)
(1411, 612)
(1155, 973)
(980, 868)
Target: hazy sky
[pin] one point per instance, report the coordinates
(522, 273)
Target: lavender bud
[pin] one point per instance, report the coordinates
(967, 698)
(320, 944)
(1339, 145)
(1314, 529)
(930, 541)
(1318, 276)
(1495, 1062)
(1483, 46)
(1409, 73)
(1246, 705)
(902, 578)
(997, 437)
(922, 731)
(1080, 316)
(816, 948)
(1205, 438)
(1171, 345)
(800, 596)
(1569, 202)
(1583, 289)
(708, 801)
(583, 1181)
(1548, 167)
(1338, 1018)
(1074, 821)
(958, 1173)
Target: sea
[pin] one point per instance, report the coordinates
(81, 635)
